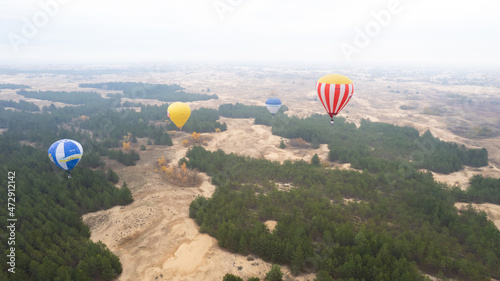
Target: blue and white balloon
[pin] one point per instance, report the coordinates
(66, 154)
(273, 105)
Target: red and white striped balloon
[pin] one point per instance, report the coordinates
(334, 91)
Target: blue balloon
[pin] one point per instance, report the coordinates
(273, 105)
(66, 154)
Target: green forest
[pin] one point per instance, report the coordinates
(161, 92)
(51, 242)
(13, 86)
(384, 232)
(104, 124)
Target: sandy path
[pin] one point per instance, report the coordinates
(154, 237)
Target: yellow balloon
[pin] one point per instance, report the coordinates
(179, 113)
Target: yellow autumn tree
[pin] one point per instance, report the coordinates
(196, 137)
(126, 145)
(162, 161)
(217, 130)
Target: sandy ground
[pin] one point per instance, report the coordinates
(155, 239)
(244, 138)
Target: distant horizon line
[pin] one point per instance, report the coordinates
(319, 65)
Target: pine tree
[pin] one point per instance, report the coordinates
(112, 176)
(297, 259)
(231, 277)
(282, 144)
(275, 273)
(125, 195)
(315, 160)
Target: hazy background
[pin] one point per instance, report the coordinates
(424, 32)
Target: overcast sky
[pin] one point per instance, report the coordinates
(429, 32)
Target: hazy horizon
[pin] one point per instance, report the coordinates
(392, 32)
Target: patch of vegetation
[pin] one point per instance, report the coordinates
(64, 97)
(480, 132)
(481, 190)
(407, 107)
(13, 86)
(161, 92)
(395, 229)
(21, 105)
(433, 111)
(260, 113)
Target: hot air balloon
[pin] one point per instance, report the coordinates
(179, 113)
(273, 105)
(66, 154)
(334, 91)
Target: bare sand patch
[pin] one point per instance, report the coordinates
(462, 177)
(244, 138)
(271, 225)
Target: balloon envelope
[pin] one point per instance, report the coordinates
(273, 105)
(65, 154)
(334, 91)
(179, 113)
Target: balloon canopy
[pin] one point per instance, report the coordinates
(179, 113)
(334, 91)
(65, 154)
(273, 105)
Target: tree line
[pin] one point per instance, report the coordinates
(161, 92)
(203, 120)
(21, 105)
(64, 97)
(13, 86)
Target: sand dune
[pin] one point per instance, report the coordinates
(154, 237)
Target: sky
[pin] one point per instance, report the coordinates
(399, 32)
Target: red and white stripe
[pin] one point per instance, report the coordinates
(334, 96)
